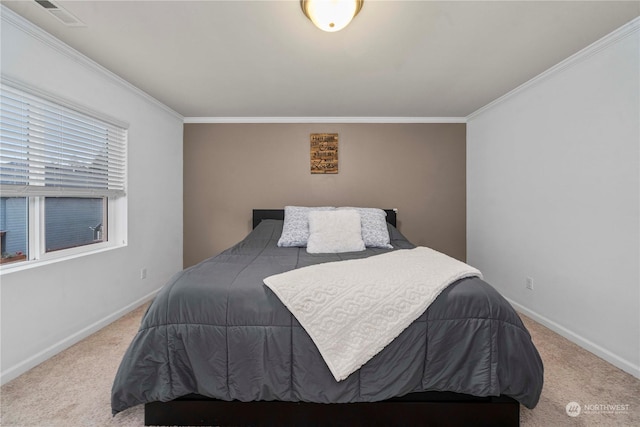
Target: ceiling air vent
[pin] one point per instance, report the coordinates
(61, 14)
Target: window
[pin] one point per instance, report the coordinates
(14, 228)
(62, 177)
(85, 228)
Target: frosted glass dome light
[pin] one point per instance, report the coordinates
(331, 15)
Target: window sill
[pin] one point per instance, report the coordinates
(13, 259)
(8, 268)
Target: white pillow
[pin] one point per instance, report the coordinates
(374, 227)
(295, 229)
(334, 231)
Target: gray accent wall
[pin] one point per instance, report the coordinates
(229, 169)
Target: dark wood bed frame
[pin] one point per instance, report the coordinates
(260, 214)
(414, 409)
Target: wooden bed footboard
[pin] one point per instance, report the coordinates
(415, 409)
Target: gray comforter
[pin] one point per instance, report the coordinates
(216, 330)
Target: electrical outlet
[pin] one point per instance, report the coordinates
(143, 273)
(529, 283)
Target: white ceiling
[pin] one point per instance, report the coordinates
(266, 59)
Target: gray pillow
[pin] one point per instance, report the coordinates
(373, 223)
(295, 230)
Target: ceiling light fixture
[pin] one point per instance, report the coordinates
(331, 15)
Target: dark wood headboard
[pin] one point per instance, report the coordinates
(260, 214)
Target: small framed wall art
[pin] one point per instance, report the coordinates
(324, 153)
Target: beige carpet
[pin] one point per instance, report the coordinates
(73, 388)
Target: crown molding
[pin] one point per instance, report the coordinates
(10, 17)
(621, 33)
(292, 120)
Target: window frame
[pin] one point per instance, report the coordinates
(116, 205)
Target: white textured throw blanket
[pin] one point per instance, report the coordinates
(352, 309)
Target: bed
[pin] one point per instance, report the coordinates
(217, 347)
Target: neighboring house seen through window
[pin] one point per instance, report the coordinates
(62, 177)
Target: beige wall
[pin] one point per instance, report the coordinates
(229, 169)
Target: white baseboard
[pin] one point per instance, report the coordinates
(33, 361)
(19, 369)
(601, 352)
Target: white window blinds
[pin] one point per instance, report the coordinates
(47, 149)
